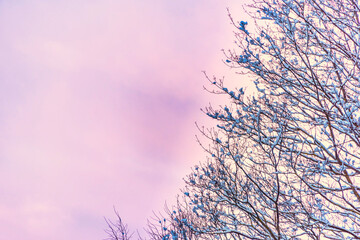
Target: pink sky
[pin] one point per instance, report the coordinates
(98, 101)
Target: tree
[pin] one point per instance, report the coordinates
(118, 230)
(284, 163)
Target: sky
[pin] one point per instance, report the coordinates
(98, 104)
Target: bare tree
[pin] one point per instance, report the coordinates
(117, 230)
(285, 163)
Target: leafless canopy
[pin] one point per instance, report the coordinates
(285, 163)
